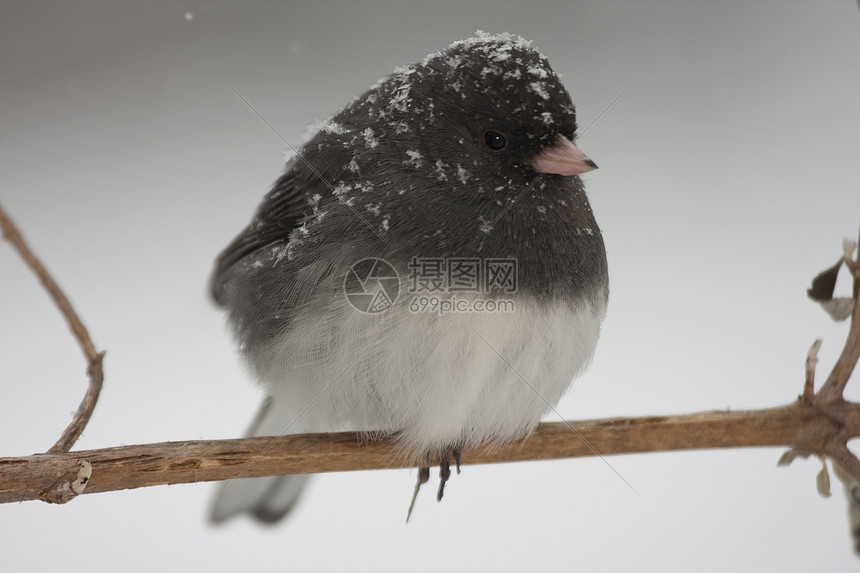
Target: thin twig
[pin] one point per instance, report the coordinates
(811, 363)
(833, 388)
(94, 358)
(847, 461)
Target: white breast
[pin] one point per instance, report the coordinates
(437, 380)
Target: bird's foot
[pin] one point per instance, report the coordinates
(444, 474)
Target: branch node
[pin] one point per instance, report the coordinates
(65, 489)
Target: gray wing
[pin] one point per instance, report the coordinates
(280, 212)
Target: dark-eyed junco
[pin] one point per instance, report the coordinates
(428, 266)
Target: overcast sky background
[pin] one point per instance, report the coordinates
(729, 176)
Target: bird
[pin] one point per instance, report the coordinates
(427, 268)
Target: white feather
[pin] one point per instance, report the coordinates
(437, 380)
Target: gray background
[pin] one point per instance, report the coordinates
(729, 176)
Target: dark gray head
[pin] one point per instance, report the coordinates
(470, 119)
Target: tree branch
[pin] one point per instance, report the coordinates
(52, 477)
(95, 369)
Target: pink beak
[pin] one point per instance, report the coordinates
(563, 158)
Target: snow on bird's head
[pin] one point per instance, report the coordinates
(500, 75)
(503, 74)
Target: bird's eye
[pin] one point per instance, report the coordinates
(495, 140)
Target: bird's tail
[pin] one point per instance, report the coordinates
(268, 499)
